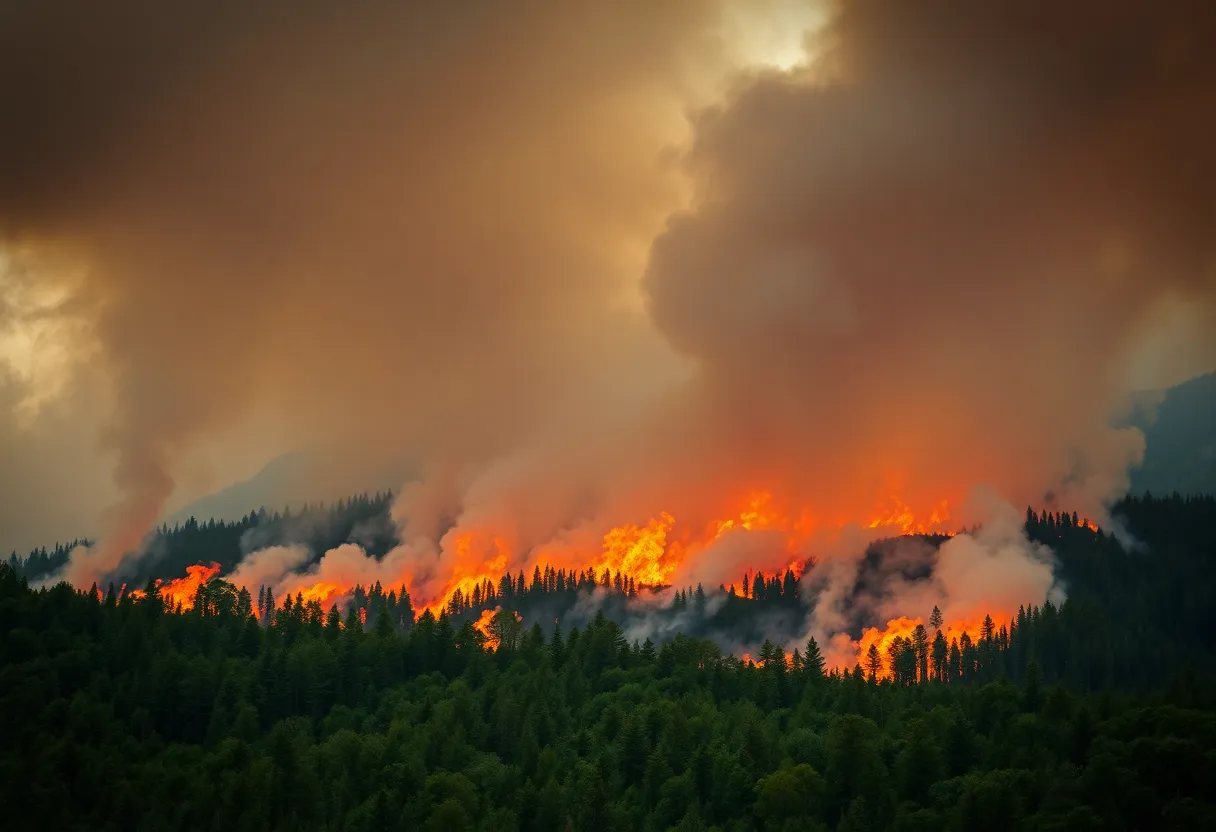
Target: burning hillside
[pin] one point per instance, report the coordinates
(805, 586)
(656, 553)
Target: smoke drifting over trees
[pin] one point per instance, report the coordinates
(936, 257)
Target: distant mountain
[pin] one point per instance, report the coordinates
(1181, 441)
(291, 480)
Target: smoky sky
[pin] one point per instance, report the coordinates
(928, 259)
(393, 226)
(920, 263)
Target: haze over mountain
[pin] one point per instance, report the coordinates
(1180, 441)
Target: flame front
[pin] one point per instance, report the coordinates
(482, 625)
(899, 515)
(181, 591)
(323, 592)
(471, 560)
(641, 552)
(904, 628)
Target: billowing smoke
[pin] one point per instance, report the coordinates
(992, 570)
(937, 256)
(398, 229)
(269, 567)
(925, 263)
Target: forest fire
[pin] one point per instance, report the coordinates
(899, 515)
(471, 563)
(642, 552)
(482, 625)
(323, 592)
(909, 631)
(180, 592)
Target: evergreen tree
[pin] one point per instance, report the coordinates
(813, 660)
(873, 662)
(935, 618)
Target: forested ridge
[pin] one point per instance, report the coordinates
(1099, 713)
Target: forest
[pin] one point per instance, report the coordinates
(121, 711)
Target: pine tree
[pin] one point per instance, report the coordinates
(789, 589)
(812, 660)
(940, 656)
(873, 661)
(333, 622)
(920, 645)
(935, 618)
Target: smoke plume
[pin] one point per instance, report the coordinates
(391, 229)
(937, 255)
(923, 263)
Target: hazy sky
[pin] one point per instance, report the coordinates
(620, 252)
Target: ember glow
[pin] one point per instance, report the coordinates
(180, 592)
(642, 552)
(470, 561)
(472, 566)
(323, 592)
(904, 628)
(482, 625)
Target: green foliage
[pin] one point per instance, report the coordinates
(117, 718)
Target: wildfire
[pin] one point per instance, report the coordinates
(642, 552)
(472, 566)
(899, 515)
(482, 625)
(485, 625)
(322, 591)
(905, 628)
(650, 553)
(181, 591)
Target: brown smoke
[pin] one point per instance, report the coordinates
(922, 263)
(391, 226)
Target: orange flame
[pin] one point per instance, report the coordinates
(181, 591)
(482, 625)
(904, 627)
(642, 552)
(472, 566)
(650, 553)
(323, 591)
(485, 625)
(899, 515)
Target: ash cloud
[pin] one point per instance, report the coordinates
(926, 260)
(923, 263)
(382, 229)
